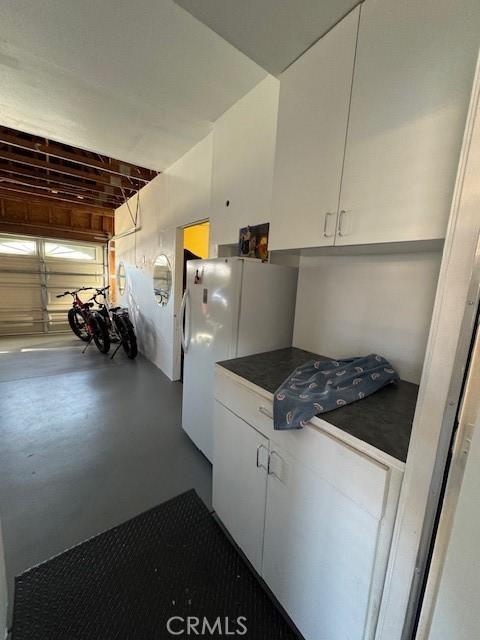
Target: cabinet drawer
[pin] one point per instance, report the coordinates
(250, 406)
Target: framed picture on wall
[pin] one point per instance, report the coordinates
(253, 241)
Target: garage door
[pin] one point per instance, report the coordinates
(33, 271)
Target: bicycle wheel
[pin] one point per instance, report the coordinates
(128, 337)
(77, 324)
(101, 336)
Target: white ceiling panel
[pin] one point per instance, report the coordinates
(138, 81)
(274, 33)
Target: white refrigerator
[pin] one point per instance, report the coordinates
(231, 307)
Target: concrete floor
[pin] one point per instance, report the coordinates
(86, 443)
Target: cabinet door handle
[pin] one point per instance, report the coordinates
(270, 470)
(259, 464)
(265, 412)
(325, 223)
(340, 223)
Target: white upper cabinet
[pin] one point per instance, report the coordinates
(413, 75)
(312, 125)
(243, 156)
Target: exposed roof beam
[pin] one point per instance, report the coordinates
(52, 231)
(109, 179)
(57, 150)
(32, 195)
(33, 168)
(79, 184)
(52, 189)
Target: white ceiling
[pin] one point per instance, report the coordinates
(138, 81)
(274, 33)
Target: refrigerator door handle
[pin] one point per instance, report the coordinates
(184, 324)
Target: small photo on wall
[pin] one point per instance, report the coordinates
(253, 241)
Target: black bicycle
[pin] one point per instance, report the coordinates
(118, 323)
(86, 323)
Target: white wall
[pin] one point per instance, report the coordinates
(243, 162)
(177, 197)
(351, 305)
(234, 162)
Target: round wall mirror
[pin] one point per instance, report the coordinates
(121, 278)
(162, 280)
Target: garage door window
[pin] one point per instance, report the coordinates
(33, 271)
(69, 251)
(17, 246)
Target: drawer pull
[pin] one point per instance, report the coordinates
(266, 412)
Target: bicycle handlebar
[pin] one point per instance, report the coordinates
(99, 292)
(74, 292)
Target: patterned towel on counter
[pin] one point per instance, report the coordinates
(319, 386)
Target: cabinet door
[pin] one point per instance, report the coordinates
(413, 76)
(240, 481)
(319, 550)
(312, 125)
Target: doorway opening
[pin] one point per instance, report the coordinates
(195, 239)
(195, 246)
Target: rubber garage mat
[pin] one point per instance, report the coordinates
(148, 579)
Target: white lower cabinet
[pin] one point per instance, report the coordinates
(240, 481)
(319, 551)
(313, 515)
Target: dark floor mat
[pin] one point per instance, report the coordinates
(126, 583)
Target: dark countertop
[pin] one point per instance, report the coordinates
(383, 419)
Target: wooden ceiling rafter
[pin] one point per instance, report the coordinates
(25, 193)
(60, 151)
(55, 190)
(54, 231)
(64, 181)
(34, 167)
(53, 219)
(65, 169)
(51, 186)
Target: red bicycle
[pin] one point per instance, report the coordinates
(86, 323)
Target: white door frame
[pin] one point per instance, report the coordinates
(438, 397)
(460, 450)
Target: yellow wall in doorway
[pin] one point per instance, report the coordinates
(195, 239)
